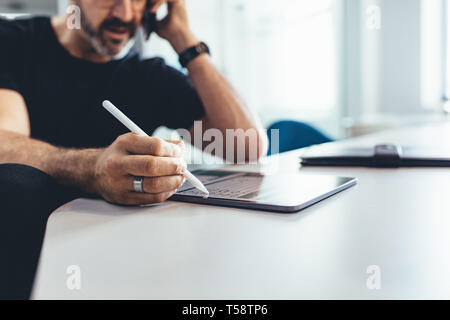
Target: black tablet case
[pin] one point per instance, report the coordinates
(379, 156)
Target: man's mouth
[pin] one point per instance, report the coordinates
(119, 33)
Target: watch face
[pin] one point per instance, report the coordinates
(200, 48)
(193, 52)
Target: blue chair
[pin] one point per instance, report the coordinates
(294, 135)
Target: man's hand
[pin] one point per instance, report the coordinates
(160, 162)
(175, 26)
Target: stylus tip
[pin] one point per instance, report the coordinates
(206, 195)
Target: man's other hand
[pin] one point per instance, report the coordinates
(175, 26)
(158, 161)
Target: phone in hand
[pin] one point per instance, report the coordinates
(148, 21)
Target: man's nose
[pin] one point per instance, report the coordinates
(123, 10)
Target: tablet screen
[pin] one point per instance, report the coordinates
(284, 190)
(227, 185)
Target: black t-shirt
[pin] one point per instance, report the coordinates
(64, 94)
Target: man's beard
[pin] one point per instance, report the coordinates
(96, 37)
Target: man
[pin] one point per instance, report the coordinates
(63, 144)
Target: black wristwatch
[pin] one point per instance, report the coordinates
(193, 52)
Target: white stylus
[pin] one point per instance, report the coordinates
(134, 128)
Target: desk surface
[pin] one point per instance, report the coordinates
(396, 219)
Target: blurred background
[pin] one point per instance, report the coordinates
(349, 67)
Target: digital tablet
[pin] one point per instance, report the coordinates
(279, 192)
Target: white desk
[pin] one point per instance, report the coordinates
(398, 219)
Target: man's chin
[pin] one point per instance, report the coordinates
(115, 47)
(115, 43)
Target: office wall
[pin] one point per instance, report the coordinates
(62, 5)
(400, 57)
(29, 6)
(393, 74)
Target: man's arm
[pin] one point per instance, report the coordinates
(224, 109)
(18, 147)
(13, 112)
(107, 172)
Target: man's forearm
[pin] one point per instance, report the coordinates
(70, 167)
(221, 101)
(224, 108)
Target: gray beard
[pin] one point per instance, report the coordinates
(95, 39)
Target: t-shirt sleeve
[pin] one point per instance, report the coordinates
(11, 38)
(180, 104)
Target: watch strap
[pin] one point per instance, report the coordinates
(193, 52)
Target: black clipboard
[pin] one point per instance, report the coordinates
(379, 156)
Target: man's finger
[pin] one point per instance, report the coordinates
(156, 184)
(179, 143)
(150, 166)
(156, 4)
(136, 144)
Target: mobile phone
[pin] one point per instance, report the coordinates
(148, 21)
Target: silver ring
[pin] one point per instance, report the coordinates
(138, 184)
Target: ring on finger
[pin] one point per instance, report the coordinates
(138, 184)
